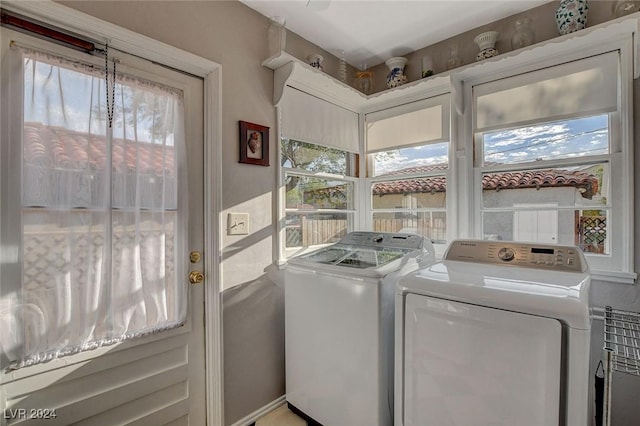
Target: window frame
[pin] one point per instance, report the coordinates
(441, 95)
(618, 265)
(352, 212)
(370, 181)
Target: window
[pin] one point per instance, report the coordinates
(549, 149)
(318, 176)
(535, 147)
(101, 221)
(319, 194)
(408, 167)
(534, 204)
(409, 194)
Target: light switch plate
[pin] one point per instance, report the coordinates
(238, 224)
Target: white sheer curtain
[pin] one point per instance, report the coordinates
(102, 217)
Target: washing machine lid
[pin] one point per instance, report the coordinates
(368, 254)
(553, 294)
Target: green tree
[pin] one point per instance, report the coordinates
(311, 158)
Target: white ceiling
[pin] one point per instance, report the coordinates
(370, 32)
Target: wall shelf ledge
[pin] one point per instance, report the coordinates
(291, 71)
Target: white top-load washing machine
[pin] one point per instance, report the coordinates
(497, 333)
(339, 313)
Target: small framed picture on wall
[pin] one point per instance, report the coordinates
(254, 144)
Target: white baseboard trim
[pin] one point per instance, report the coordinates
(261, 412)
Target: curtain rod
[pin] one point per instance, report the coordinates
(90, 47)
(17, 22)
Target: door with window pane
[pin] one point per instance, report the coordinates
(101, 204)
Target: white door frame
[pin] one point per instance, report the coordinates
(145, 47)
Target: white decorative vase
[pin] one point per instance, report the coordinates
(396, 75)
(571, 15)
(486, 42)
(315, 61)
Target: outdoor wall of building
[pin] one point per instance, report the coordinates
(415, 200)
(500, 226)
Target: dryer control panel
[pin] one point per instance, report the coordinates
(527, 255)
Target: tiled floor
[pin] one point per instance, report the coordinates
(281, 416)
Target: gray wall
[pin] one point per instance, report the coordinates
(235, 36)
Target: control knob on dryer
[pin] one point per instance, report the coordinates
(506, 254)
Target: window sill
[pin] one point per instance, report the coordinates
(614, 276)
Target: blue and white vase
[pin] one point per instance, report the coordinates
(396, 75)
(571, 15)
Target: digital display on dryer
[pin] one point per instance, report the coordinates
(542, 250)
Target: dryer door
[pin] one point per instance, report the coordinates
(472, 365)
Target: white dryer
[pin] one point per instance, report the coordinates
(339, 313)
(497, 333)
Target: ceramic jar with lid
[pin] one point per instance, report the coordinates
(486, 42)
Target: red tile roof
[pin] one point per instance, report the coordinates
(419, 169)
(497, 181)
(429, 184)
(541, 179)
(58, 147)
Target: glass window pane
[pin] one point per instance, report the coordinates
(587, 229)
(144, 256)
(317, 193)
(309, 229)
(313, 158)
(586, 185)
(82, 190)
(63, 95)
(561, 139)
(417, 159)
(64, 270)
(428, 192)
(432, 225)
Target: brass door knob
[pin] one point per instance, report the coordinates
(196, 277)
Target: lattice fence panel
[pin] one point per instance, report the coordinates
(593, 233)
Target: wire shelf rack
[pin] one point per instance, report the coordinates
(621, 350)
(622, 335)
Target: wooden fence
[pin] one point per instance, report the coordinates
(322, 231)
(435, 228)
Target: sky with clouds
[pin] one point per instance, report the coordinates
(64, 97)
(566, 139)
